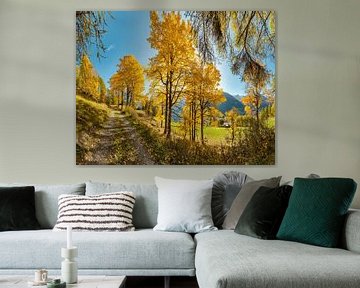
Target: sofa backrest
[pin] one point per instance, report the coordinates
(146, 203)
(46, 200)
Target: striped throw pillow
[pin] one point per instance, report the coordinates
(105, 212)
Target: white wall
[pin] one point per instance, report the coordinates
(318, 101)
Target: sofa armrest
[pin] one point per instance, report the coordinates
(351, 234)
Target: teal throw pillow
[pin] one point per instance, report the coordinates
(316, 211)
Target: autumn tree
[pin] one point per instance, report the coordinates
(190, 111)
(157, 100)
(102, 90)
(247, 38)
(128, 82)
(204, 94)
(232, 117)
(209, 92)
(256, 92)
(87, 80)
(172, 38)
(117, 89)
(90, 28)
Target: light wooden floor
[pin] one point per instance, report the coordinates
(158, 282)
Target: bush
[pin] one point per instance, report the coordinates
(132, 112)
(252, 146)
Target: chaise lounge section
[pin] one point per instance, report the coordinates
(225, 259)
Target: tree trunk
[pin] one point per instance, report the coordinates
(257, 110)
(233, 135)
(170, 104)
(202, 125)
(162, 114)
(193, 122)
(168, 132)
(166, 104)
(166, 114)
(127, 98)
(122, 100)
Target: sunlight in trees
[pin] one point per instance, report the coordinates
(127, 84)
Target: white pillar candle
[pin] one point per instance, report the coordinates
(69, 237)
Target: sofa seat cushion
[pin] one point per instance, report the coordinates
(225, 259)
(141, 249)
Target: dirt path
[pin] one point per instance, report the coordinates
(118, 142)
(143, 154)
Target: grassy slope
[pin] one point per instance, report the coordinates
(213, 135)
(89, 116)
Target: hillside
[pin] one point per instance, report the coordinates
(231, 102)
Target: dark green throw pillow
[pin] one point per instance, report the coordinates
(316, 211)
(17, 208)
(264, 212)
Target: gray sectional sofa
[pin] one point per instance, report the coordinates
(219, 259)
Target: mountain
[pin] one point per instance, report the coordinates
(238, 97)
(231, 102)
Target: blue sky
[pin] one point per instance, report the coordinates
(127, 34)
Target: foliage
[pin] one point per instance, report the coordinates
(203, 94)
(87, 82)
(102, 90)
(181, 151)
(90, 27)
(172, 38)
(128, 81)
(232, 117)
(254, 146)
(245, 37)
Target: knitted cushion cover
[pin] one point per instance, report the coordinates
(105, 212)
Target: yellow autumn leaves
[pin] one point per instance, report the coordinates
(88, 82)
(127, 84)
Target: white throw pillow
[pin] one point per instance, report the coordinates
(184, 205)
(104, 212)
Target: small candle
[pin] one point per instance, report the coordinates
(69, 239)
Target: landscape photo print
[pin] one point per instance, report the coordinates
(175, 87)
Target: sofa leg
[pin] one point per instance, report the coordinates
(167, 282)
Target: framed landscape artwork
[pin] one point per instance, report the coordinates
(175, 87)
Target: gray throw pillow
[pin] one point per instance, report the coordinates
(226, 187)
(310, 176)
(242, 199)
(184, 205)
(46, 200)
